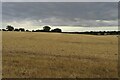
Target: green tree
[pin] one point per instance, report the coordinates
(21, 29)
(46, 28)
(10, 28)
(56, 30)
(16, 29)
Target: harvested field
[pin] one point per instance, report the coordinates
(50, 55)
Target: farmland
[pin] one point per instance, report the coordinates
(53, 55)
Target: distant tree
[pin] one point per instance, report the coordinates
(27, 31)
(21, 29)
(46, 28)
(4, 30)
(16, 29)
(56, 30)
(33, 31)
(38, 30)
(0, 29)
(10, 28)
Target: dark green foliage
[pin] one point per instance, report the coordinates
(16, 29)
(56, 30)
(4, 30)
(46, 28)
(21, 29)
(10, 28)
(27, 31)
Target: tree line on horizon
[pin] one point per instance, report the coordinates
(96, 32)
(45, 29)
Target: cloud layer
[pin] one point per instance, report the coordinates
(61, 13)
(60, 0)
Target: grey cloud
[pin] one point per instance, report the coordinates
(0, 14)
(61, 13)
(60, 0)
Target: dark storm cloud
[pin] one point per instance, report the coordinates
(62, 13)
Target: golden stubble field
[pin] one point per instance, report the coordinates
(56, 55)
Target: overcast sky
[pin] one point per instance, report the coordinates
(60, 0)
(60, 13)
